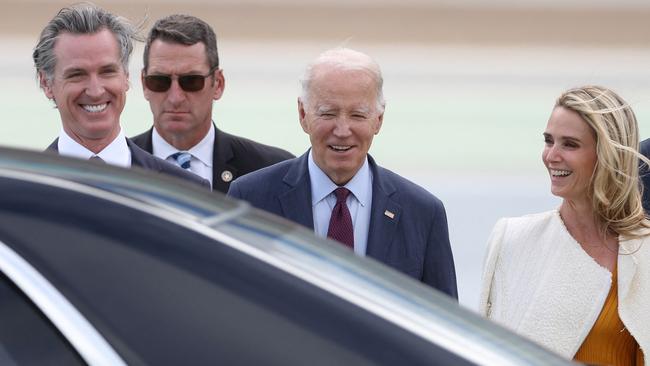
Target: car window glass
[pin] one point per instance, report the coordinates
(27, 337)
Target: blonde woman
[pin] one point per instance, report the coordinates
(577, 279)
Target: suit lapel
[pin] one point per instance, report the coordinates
(140, 157)
(385, 215)
(221, 155)
(54, 146)
(146, 141)
(296, 201)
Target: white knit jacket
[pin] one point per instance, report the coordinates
(540, 283)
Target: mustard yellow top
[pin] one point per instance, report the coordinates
(609, 342)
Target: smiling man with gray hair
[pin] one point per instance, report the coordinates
(339, 191)
(81, 61)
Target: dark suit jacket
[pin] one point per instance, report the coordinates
(147, 161)
(235, 154)
(644, 172)
(415, 241)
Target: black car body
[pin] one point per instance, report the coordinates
(108, 266)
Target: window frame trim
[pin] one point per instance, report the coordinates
(93, 348)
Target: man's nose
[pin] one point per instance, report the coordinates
(175, 94)
(95, 87)
(342, 127)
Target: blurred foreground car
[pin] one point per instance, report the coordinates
(105, 266)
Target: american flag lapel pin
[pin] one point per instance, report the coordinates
(389, 214)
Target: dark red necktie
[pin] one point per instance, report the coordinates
(340, 228)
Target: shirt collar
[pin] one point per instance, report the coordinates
(322, 185)
(116, 153)
(202, 151)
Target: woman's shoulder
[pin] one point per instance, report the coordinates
(529, 223)
(639, 245)
(531, 232)
(514, 240)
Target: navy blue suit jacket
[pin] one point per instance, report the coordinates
(415, 241)
(644, 172)
(147, 161)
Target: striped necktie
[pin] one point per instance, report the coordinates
(182, 159)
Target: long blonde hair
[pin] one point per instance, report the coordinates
(615, 186)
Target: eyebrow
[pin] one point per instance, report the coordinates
(73, 70)
(568, 138)
(363, 110)
(110, 66)
(153, 71)
(573, 139)
(325, 108)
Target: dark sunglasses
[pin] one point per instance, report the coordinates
(189, 83)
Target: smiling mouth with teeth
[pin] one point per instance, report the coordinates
(560, 173)
(94, 108)
(340, 148)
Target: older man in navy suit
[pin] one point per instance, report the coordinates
(338, 190)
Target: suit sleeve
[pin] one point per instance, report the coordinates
(234, 191)
(439, 271)
(489, 267)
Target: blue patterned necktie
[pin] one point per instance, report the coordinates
(183, 159)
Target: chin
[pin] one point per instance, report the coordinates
(557, 192)
(174, 125)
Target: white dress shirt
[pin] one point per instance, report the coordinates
(116, 153)
(359, 202)
(202, 153)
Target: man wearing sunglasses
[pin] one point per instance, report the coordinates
(81, 61)
(181, 79)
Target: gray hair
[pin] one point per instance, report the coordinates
(344, 59)
(82, 18)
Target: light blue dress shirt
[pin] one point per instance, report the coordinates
(359, 202)
(201, 163)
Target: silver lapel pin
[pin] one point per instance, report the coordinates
(226, 176)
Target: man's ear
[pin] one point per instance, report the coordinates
(145, 91)
(380, 120)
(301, 115)
(221, 84)
(45, 85)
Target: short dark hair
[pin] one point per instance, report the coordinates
(83, 18)
(187, 30)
